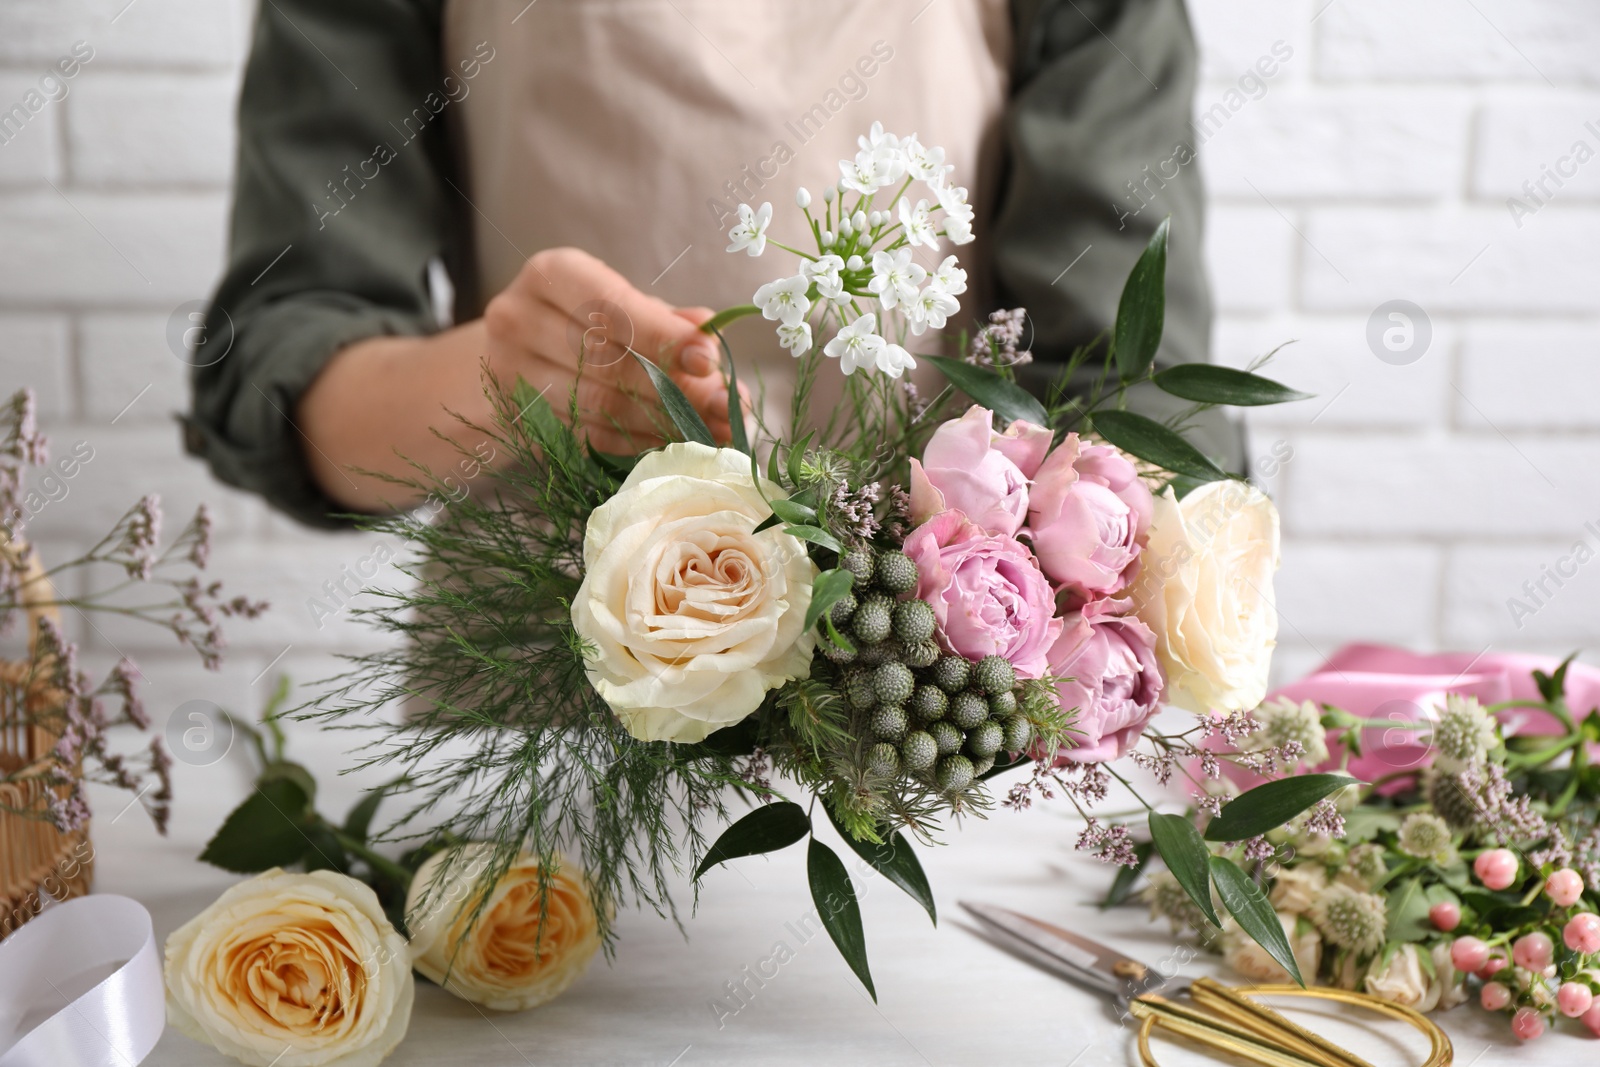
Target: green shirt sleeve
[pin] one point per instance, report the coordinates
(1099, 149)
(342, 198)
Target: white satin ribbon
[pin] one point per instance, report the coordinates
(80, 986)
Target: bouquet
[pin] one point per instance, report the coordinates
(1472, 853)
(859, 619)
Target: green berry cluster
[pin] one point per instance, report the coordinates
(929, 714)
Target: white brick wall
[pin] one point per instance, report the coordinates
(1376, 167)
(1374, 163)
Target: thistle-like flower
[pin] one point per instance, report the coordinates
(1426, 837)
(1349, 918)
(1363, 866)
(1284, 722)
(1463, 735)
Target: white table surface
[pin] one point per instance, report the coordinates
(944, 996)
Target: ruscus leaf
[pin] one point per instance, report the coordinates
(829, 588)
(678, 408)
(1270, 805)
(1149, 440)
(767, 829)
(1005, 398)
(895, 860)
(835, 899)
(1206, 383)
(1141, 312)
(1254, 913)
(1184, 852)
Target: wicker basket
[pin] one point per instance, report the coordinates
(36, 859)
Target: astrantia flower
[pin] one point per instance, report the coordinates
(785, 300)
(824, 271)
(949, 277)
(796, 338)
(856, 346)
(1350, 918)
(895, 361)
(750, 232)
(932, 307)
(1464, 734)
(922, 162)
(918, 223)
(895, 278)
(1425, 836)
(1363, 866)
(1283, 721)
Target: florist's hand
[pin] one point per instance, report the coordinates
(564, 304)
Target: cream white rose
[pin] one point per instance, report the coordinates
(693, 616)
(1240, 951)
(505, 960)
(1402, 980)
(292, 970)
(1295, 889)
(1448, 986)
(1206, 591)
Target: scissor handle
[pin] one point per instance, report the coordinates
(1441, 1053)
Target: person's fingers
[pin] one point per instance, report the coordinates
(612, 315)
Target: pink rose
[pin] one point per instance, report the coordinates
(1111, 676)
(987, 592)
(969, 468)
(1088, 517)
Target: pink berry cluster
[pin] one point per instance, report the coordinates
(1519, 981)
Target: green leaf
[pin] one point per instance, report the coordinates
(797, 455)
(323, 851)
(836, 903)
(1005, 398)
(727, 315)
(1269, 806)
(293, 771)
(791, 512)
(741, 440)
(267, 830)
(358, 823)
(839, 640)
(816, 535)
(895, 860)
(1207, 384)
(1185, 854)
(829, 588)
(1122, 884)
(678, 408)
(1408, 912)
(1250, 907)
(1141, 313)
(767, 829)
(553, 436)
(1149, 440)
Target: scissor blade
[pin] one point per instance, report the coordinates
(1075, 955)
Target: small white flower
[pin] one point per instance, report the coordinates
(875, 138)
(785, 299)
(872, 169)
(895, 361)
(932, 307)
(958, 230)
(918, 223)
(802, 198)
(923, 163)
(958, 214)
(750, 232)
(895, 278)
(949, 277)
(797, 339)
(855, 263)
(856, 346)
(825, 272)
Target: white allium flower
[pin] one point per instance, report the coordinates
(895, 278)
(1283, 721)
(1463, 735)
(876, 138)
(923, 163)
(859, 220)
(872, 169)
(958, 213)
(949, 277)
(958, 230)
(750, 232)
(918, 223)
(895, 361)
(824, 270)
(797, 338)
(1350, 918)
(802, 198)
(785, 299)
(855, 263)
(856, 346)
(932, 307)
(1426, 836)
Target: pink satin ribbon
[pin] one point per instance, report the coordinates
(1379, 682)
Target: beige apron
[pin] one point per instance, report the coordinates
(633, 129)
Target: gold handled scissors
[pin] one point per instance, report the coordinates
(1215, 1016)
